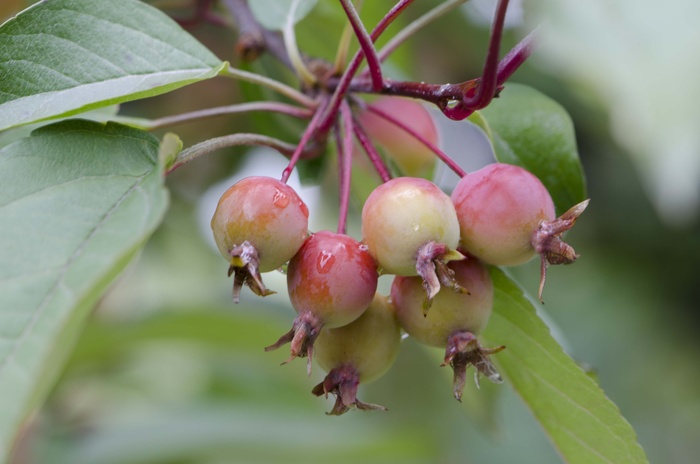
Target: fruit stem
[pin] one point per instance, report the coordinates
(309, 132)
(414, 27)
(345, 166)
(346, 79)
(371, 152)
(432, 147)
(217, 143)
(366, 44)
(283, 108)
(290, 43)
(283, 89)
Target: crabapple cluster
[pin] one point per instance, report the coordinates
(438, 248)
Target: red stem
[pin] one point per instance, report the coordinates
(345, 80)
(440, 154)
(366, 44)
(309, 132)
(488, 85)
(371, 152)
(345, 166)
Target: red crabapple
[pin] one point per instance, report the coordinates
(359, 352)
(506, 217)
(413, 158)
(331, 281)
(410, 227)
(259, 224)
(454, 321)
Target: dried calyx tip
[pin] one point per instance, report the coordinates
(343, 382)
(463, 350)
(244, 266)
(431, 265)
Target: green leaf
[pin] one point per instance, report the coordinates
(531, 130)
(77, 201)
(63, 57)
(273, 14)
(583, 424)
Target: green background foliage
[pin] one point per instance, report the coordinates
(167, 370)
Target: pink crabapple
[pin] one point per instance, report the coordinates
(359, 352)
(454, 320)
(331, 282)
(258, 225)
(506, 217)
(413, 158)
(410, 227)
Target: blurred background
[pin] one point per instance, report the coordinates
(168, 370)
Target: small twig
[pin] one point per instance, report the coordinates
(516, 57)
(277, 86)
(489, 84)
(371, 152)
(346, 79)
(253, 38)
(229, 109)
(290, 43)
(366, 44)
(432, 147)
(345, 166)
(232, 140)
(415, 26)
(309, 132)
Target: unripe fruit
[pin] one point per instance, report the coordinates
(331, 282)
(258, 225)
(359, 352)
(454, 320)
(506, 217)
(410, 226)
(412, 157)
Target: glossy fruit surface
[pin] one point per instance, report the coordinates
(265, 212)
(403, 215)
(499, 208)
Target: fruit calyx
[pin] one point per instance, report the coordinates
(305, 330)
(244, 266)
(463, 350)
(431, 265)
(547, 241)
(342, 381)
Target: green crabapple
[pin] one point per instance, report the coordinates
(258, 225)
(410, 227)
(359, 352)
(412, 158)
(506, 217)
(454, 320)
(331, 282)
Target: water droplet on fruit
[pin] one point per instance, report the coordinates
(280, 199)
(363, 247)
(416, 226)
(325, 261)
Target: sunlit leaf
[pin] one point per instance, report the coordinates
(63, 57)
(77, 201)
(583, 424)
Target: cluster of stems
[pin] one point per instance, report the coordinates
(329, 93)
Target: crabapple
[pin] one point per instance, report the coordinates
(331, 281)
(359, 352)
(506, 217)
(413, 158)
(410, 227)
(258, 225)
(454, 321)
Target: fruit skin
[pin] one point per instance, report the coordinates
(454, 321)
(499, 208)
(331, 282)
(359, 352)
(265, 212)
(370, 343)
(401, 216)
(332, 276)
(452, 311)
(412, 157)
